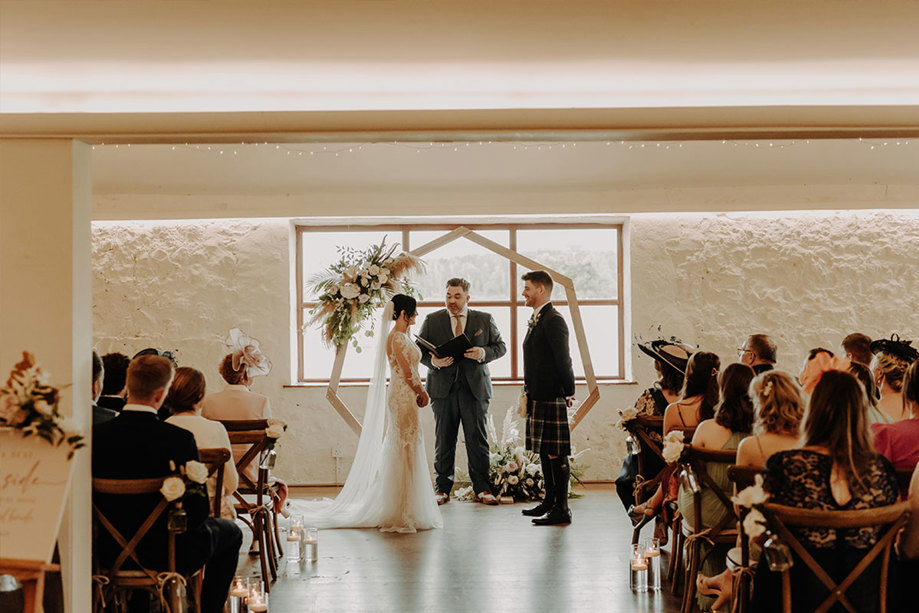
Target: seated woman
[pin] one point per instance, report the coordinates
(899, 441)
(836, 469)
(670, 358)
(697, 403)
(237, 403)
(184, 402)
(732, 422)
(891, 359)
(777, 413)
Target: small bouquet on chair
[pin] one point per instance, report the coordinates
(522, 402)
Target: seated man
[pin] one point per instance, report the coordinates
(100, 413)
(136, 445)
(758, 352)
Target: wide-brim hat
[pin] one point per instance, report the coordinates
(673, 352)
(895, 346)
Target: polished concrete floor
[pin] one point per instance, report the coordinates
(484, 559)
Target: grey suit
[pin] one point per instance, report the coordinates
(460, 394)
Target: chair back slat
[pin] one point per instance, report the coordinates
(239, 425)
(699, 459)
(216, 460)
(816, 518)
(128, 486)
(744, 476)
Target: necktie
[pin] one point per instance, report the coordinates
(458, 329)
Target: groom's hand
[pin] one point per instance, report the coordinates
(441, 362)
(475, 353)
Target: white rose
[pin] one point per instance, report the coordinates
(274, 421)
(672, 451)
(350, 291)
(351, 272)
(374, 270)
(375, 285)
(42, 407)
(385, 272)
(383, 279)
(754, 523)
(364, 281)
(674, 436)
(513, 479)
(493, 457)
(196, 471)
(512, 467)
(530, 482)
(751, 495)
(532, 469)
(173, 488)
(274, 431)
(363, 298)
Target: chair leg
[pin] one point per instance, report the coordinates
(258, 532)
(689, 581)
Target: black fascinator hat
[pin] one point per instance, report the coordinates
(896, 347)
(673, 352)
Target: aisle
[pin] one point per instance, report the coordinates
(485, 559)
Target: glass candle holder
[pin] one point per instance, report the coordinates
(310, 544)
(257, 599)
(239, 590)
(652, 554)
(638, 569)
(294, 539)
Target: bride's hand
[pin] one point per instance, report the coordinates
(422, 399)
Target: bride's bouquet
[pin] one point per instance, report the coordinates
(353, 287)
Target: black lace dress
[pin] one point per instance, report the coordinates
(801, 478)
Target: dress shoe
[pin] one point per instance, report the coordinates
(539, 510)
(555, 517)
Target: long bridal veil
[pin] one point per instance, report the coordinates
(360, 502)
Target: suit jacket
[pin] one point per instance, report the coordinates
(547, 371)
(236, 403)
(481, 331)
(137, 445)
(102, 414)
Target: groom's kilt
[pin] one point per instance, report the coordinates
(547, 427)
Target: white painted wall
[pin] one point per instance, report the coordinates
(806, 278)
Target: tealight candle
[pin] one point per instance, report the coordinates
(652, 554)
(238, 589)
(638, 569)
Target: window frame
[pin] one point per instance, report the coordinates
(513, 303)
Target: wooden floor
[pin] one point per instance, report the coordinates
(484, 559)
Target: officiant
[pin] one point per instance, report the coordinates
(460, 388)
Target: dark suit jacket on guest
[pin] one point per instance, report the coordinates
(548, 374)
(115, 403)
(481, 331)
(137, 445)
(102, 414)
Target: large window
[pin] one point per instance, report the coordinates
(590, 254)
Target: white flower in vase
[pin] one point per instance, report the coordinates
(752, 495)
(173, 488)
(754, 524)
(196, 471)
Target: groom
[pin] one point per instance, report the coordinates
(460, 389)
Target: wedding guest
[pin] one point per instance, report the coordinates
(697, 402)
(866, 378)
(857, 347)
(732, 422)
(899, 441)
(836, 469)
(549, 382)
(113, 390)
(778, 410)
(891, 359)
(100, 414)
(184, 404)
(758, 352)
(670, 359)
(136, 445)
(818, 360)
(460, 390)
(238, 403)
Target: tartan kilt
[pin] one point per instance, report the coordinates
(547, 427)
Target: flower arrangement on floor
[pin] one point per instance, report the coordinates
(352, 288)
(514, 471)
(29, 403)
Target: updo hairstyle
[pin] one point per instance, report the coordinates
(403, 304)
(777, 403)
(231, 375)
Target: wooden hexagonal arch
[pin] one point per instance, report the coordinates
(576, 322)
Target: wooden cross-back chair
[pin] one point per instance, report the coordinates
(122, 579)
(262, 517)
(742, 477)
(641, 428)
(215, 459)
(890, 518)
(691, 536)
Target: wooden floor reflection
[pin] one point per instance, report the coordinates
(484, 559)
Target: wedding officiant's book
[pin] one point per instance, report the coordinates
(453, 348)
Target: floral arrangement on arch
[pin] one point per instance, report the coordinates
(513, 470)
(29, 403)
(353, 287)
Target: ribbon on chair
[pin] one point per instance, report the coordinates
(164, 578)
(99, 583)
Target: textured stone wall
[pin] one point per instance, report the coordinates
(805, 278)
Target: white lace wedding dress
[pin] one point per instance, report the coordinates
(389, 486)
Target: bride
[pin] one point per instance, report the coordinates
(389, 486)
